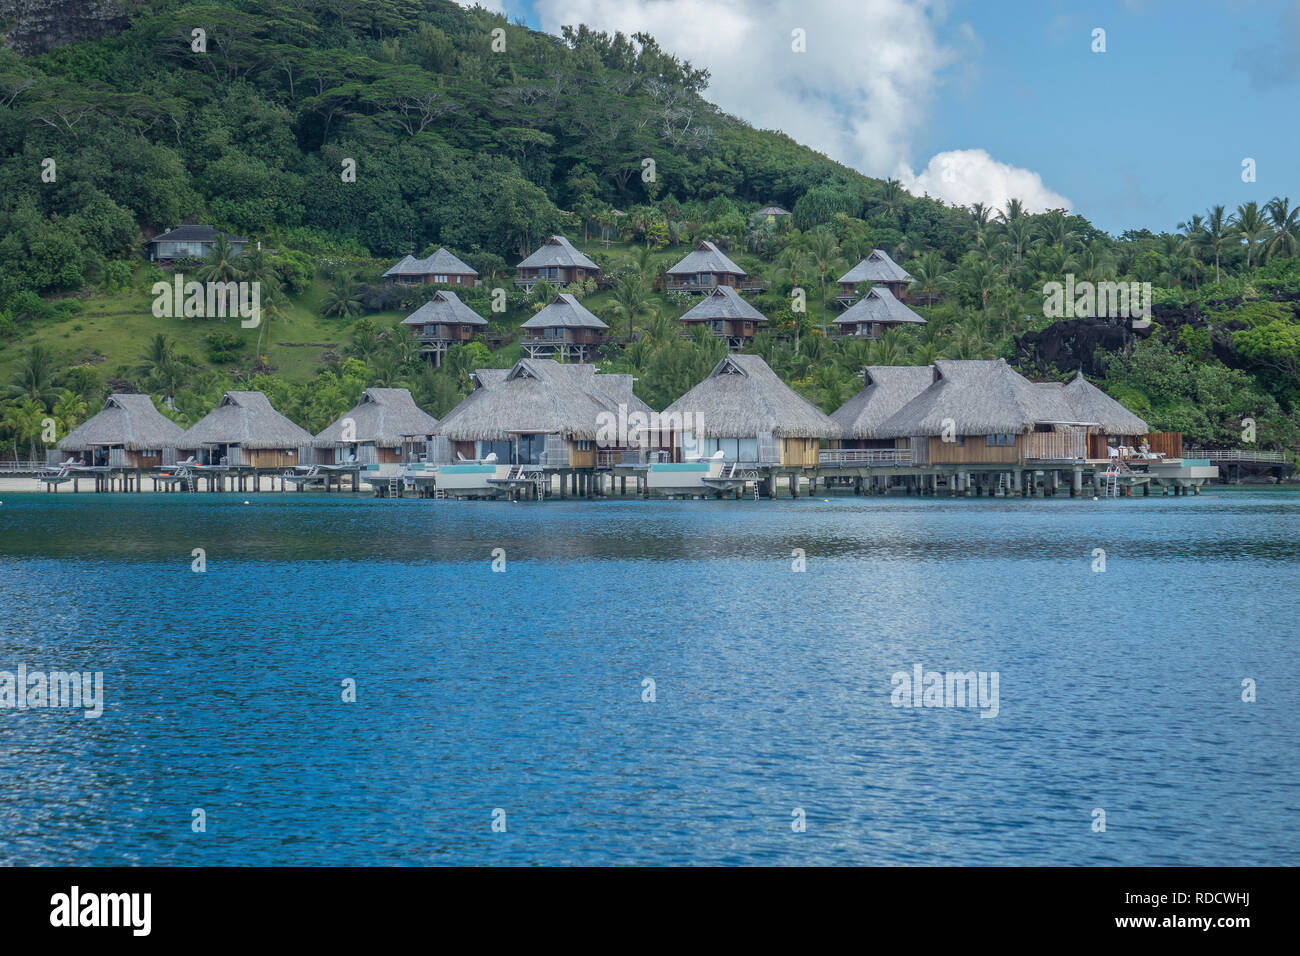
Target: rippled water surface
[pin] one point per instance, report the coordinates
(523, 690)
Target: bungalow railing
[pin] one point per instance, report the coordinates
(1057, 445)
(865, 456)
(1236, 454)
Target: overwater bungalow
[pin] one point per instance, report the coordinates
(525, 425)
(371, 437)
(746, 420)
(244, 433)
(880, 270)
(557, 263)
(122, 442)
(705, 269)
(442, 322)
(565, 329)
(441, 268)
(875, 312)
(725, 314)
(886, 389)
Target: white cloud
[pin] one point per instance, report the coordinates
(966, 176)
(859, 94)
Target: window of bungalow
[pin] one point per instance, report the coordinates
(1000, 439)
(529, 449)
(499, 448)
(438, 278)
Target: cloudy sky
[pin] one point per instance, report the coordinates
(978, 101)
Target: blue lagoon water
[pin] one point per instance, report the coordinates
(522, 690)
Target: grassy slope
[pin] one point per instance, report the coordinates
(112, 331)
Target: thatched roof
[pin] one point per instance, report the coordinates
(773, 211)
(743, 398)
(246, 419)
(724, 302)
(445, 308)
(383, 416)
(128, 420)
(441, 262)
(878, 305)
(877, 267)
(979, 398)
(888, 388)
(538, 396)
(1092, 404)
(706, 258)
(564, 312)
(557, 251)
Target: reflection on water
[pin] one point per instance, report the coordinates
(523, 690)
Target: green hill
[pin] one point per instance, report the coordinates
(469, 132)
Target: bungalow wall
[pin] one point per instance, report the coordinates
(267, 457)
(582, 454)
(430, 278)
(1170, 443)
(556, 274)
(445, 333)
(975, 450)
(119, 457)
(800, 452)
(565, 336)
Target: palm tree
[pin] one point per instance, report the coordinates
(979, 214)
(632, 301)
(34, 376)
(928, 270)
(259, 268)
(823, 253)
(69, 411)
(343, 298)
(25, 421)
(158, 354)
(1021, 233)
(1286, 223)
(1055, 230)
(1250, 227)
(890, 200)
(222, 264)
(1216, 231)
(1015, 211)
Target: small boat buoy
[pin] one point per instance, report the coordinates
(245, 502)
(1094, 497)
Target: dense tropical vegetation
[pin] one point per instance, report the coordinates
(486, 142)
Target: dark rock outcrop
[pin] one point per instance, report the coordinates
(35, 26)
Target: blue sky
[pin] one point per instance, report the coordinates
(1008, 97)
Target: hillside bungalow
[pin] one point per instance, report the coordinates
(704, 270)
(565, 328)
(537, 418)
(557, 263)
(725, 314)
(129, 432)
(987, 415)
(374, 433)
(773, 212)
(441, 268)
(744, 411)
(887, 389)
(244, 431)
(878, 269)
(442, 322)
(875, 312)
(189, 242)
